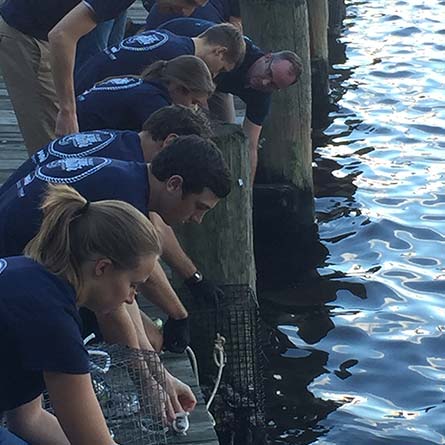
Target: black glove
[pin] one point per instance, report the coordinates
(176, 335)
(205, 291)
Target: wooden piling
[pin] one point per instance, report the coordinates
(318, 30)
(337, 13)
(222, 246)
(286, 153)
(283, 194)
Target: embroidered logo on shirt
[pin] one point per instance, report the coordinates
(39, 157)
(86, 143)
(113, 84)
(144, 42)
(70, 170)
(3, 264)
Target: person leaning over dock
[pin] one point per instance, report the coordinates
(253, 81)
(216, 11)
(221, 47)
(161, 128)
(157, 132)
(184, 181)
(25, 27)
(85, 254)
(124, 103)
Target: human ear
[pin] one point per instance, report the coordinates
(169, 139)
(101, 266)
(174, 183)
(221, 51)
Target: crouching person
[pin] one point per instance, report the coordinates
(86, 254)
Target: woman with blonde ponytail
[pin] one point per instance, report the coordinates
(86, 254)
(124, 103)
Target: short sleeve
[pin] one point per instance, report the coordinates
(107, 9)
(257, 105)
(53, 343)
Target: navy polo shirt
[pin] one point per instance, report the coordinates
(120, 103)
(36, 18)
(217, 11)
(132, 56)
(234, 82)
(94, 178)
(113, 144)
(39, 330)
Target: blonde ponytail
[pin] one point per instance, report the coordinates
(74, 230)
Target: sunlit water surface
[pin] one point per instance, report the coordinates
(363, 355)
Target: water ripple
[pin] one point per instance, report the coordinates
(365, 361)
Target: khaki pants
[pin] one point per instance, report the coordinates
(24, 62)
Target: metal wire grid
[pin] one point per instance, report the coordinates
(239, 404)
(129, 386)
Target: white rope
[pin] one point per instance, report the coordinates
(98, 353)
(219, 358)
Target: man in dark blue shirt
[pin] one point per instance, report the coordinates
(254, 81)
(184, 181)
(25, 28)
(162, 127)
(221, 47)
(62, 44)
(216, 11)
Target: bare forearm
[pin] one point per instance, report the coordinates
(35, 425)
(117, 327)
(152, 331)
(62, 53)
(172, 252)
(81, 418)
(159, 291)
(63, 40)
(135, 314)
(252, 132)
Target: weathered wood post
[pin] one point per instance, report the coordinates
(283, 198)
(285, 156)
(222, 246)
(337, 13)
(318, 30)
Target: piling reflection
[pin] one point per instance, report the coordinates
(357, 347)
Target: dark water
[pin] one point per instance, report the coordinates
(359, 348)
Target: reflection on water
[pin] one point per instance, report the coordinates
(357, 349)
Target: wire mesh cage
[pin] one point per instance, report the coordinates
(239, 405)
(129, 385)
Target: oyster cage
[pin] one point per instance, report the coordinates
(129, 387)
(239, 406)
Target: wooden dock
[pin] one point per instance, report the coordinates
(12, 155)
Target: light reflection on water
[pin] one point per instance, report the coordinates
(360, 352)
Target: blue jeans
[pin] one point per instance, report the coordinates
(7, 438)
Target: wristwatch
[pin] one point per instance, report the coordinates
(195, 278)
